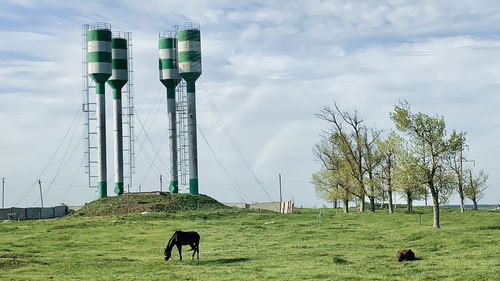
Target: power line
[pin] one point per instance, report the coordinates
(221, 166)
(231, 139)
(52, 157)
(491, 129)
(156, 156)
(73, 181)
(151, 143)
(63, 163)
(157, 103)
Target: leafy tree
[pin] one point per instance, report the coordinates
(455, 163)
(328, 185)
(446, 182)
(408, 177)
(475, 187)
(430, 131)
(389, 150)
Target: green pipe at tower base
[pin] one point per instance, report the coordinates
(174, 187)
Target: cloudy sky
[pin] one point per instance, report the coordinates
(268, 67)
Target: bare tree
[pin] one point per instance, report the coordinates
(346, 135)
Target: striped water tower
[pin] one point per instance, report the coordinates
(189, 55)
(99, 69)
(118, 79)
(169, 76)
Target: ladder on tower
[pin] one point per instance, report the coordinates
(90, 125)
(128, 119)
(182, 136)
(89, 112)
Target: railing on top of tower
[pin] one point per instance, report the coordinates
(167, 34)
(99, 25)
(187, 25)
(121, 34)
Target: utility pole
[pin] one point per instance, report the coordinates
(281, 199)
(3, 193)
(280, 187)
(41, 197)
(161, 183)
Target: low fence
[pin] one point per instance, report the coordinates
(33, 213)
(284, 207)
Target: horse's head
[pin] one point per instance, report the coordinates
(168, 254)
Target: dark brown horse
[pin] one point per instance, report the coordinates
(405, 255)
(180, 238)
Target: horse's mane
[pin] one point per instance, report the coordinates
(172, 241)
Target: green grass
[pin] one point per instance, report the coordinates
(245, 245)
(137, 203)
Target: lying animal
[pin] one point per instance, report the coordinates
(405, 255)
(180, 238)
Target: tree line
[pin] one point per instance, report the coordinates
(416, 160)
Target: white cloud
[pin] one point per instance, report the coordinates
(269, 68)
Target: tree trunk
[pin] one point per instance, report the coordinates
(474, 201)
(335, 204)
(372, 203)
(346, 205)
(462, 207)
(409, 202)
(389, 194)
(435, 208)
(383, 199)
(391, 207)
(461, 191)
(362, 204)
(425, 194)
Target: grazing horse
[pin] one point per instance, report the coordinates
(180, 238)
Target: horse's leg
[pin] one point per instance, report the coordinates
(179, 247)
(197, 251)
(193, 248)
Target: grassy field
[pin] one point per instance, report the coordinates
(242, 245)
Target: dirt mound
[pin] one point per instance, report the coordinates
(137, 203)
